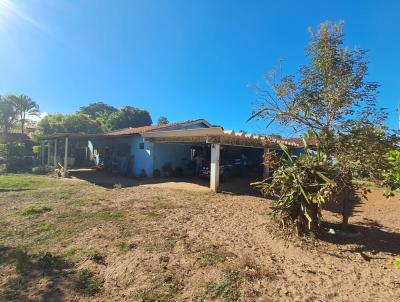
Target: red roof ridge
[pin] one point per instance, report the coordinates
(138, 130)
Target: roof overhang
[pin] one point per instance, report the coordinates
(70, 136)
(215, 135)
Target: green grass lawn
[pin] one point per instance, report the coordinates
(18, 182)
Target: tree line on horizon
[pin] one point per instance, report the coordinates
(97, 117)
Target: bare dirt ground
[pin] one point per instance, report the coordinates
(70, 240)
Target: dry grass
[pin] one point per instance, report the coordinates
(68, 240)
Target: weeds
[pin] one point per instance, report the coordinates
(250, 269)
(397, 263)
(45, 227)
(165, 292)
(96, 256)
(163, 244)
(212, 255)
(87, 283)
(227, 289)
(124, 247)
(34, 211)
(71, 252)
(23, 263)
(152, 214)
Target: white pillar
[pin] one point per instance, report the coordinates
(48, 153)
(214, 169)
(66, 154)
(55, 154)
(266, 165)
(42, 152)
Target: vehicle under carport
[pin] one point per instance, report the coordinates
(218, 148)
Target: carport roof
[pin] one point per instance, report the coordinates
(219, 135)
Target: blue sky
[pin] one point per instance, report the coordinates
(180, 59)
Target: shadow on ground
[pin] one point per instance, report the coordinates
(237, 186)
(373, 238)
(49, 275)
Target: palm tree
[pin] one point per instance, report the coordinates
(25, 107)
(8, 115)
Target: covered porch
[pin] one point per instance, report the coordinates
(67, 150)
(218, 141)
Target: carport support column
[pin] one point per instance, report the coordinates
(66, 154)
(48, 153)
(55, 154)
(266, 165)
(214, 169)
(42, 152)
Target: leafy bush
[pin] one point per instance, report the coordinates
(392, 176)
(16, 157)
(20, 164)
(12, 149)
(36, 150)
(300, 186)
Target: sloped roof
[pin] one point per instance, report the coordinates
(219, 135)
(139, 130)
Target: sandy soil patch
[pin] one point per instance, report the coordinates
(158, 243)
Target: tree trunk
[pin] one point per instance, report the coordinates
(348, 198)
(22, 127)
(345, 214)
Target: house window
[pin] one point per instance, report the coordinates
(141, 145)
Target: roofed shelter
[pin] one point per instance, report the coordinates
(150, 150)
(58, 147)
(217, 137)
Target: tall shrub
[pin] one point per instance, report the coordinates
(392, 176)
(299, 187)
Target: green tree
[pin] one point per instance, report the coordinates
(392, 176)
(25, 108)
(128, 117)
(98, 109)
(330, 97)
(363, 150)
(162, 120)
(68, 123)
(8, 115)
